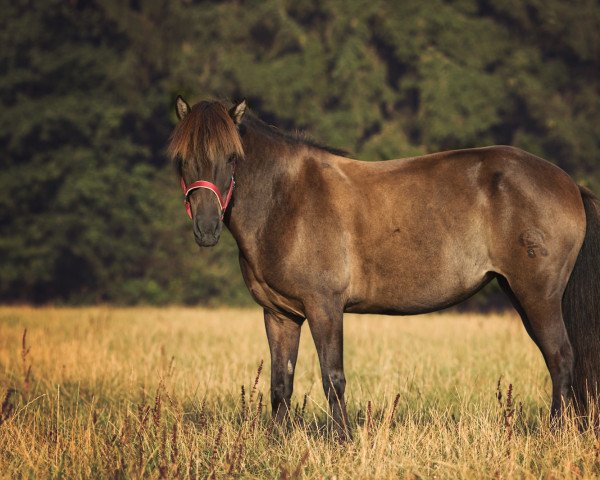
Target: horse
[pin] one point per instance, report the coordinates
(320, 234)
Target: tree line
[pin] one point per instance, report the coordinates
(90, 208)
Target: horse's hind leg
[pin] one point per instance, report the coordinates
(283, 334)
(543, 321)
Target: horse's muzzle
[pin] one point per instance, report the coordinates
(207, 234)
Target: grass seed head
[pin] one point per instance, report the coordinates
(394, 407)
(157, 410)
(243, 402)
(256, 379)
(202, 419)
(174, 446)
(258, 412)
(499, 391)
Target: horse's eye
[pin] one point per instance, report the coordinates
(232, 158)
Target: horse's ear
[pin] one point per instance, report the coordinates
(182, 108)
(237, 112)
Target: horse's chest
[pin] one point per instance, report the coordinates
(269, 291)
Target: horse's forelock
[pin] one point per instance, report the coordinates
(204, 133)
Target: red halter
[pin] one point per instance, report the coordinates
(223, 202)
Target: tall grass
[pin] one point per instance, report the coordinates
(183, 393)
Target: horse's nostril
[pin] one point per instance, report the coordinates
(207, 229)
(197, 229)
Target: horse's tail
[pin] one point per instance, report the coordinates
(581, 311)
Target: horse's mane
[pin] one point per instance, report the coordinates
(208, 129)
(298, 137)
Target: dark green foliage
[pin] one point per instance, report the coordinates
(90, 210)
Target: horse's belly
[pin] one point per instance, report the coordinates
(408, 300)
(419, 279)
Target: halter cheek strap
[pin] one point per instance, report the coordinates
(223, 202)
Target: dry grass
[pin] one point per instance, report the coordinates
(157, 393)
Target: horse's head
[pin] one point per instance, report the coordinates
(206, 145)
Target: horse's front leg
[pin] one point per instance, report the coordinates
(326, 327)
(284, 337)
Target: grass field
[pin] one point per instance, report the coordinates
(157, 393)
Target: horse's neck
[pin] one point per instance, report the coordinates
(257, 175)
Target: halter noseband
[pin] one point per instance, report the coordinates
(223, 202)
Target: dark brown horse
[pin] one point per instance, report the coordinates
(320, 234)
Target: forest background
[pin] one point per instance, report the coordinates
(90, 209)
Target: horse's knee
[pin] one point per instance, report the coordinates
(281, 392)
(334, 384)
